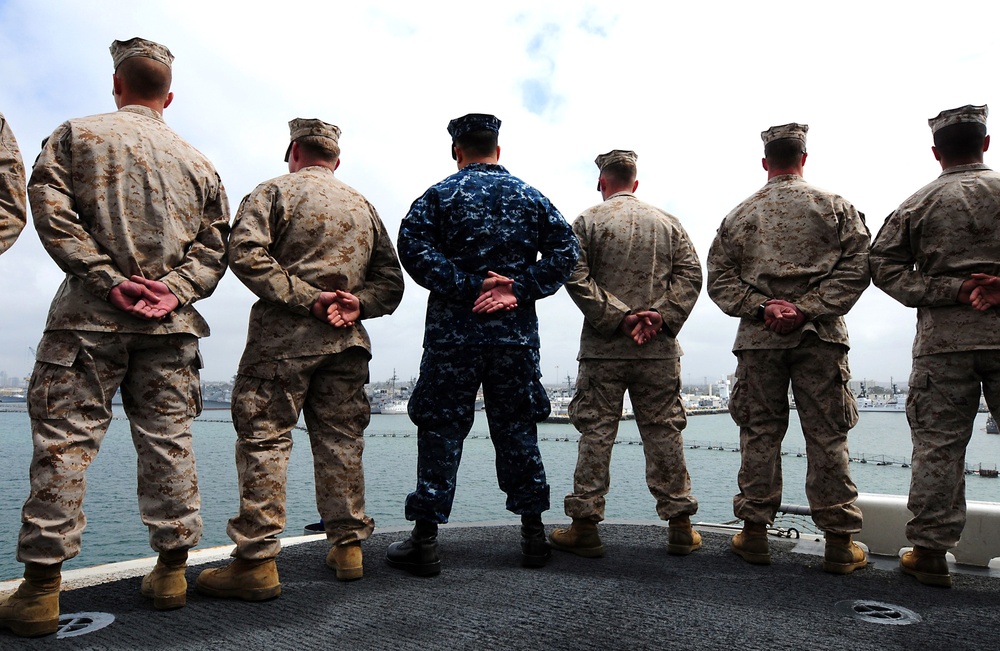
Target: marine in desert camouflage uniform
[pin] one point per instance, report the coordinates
(636, 282)
(12, 195)
(488, 246)
(318, 256)
(790, 261)
(940, 253)
(138, 220)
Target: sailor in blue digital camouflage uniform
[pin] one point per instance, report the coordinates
(487, 246)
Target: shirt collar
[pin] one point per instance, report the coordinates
(142, 110)
(971, 167)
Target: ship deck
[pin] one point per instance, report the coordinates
(636, 597)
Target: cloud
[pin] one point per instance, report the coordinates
(689, 87)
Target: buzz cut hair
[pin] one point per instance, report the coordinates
(960, 141)
(478, 144)
(316, 148)
(620, 173)
(148, 79)
(784, 152)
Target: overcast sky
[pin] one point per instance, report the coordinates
(689, 87)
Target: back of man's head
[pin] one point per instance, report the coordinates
(620, 174)
(961, 142)
(784, 153)
(478, 144)
(145, 78)
(314, 148)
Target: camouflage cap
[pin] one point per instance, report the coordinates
(140, 47)
(328, 134)
(473, 122)
(967, 113)
(792, 130)
(616, 156)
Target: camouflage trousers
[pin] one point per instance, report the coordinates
(442, 406)
(596, 408)
(941, 408)
(69, 401)
(827, 409)
(267, 400)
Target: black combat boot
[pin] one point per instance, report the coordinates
(535, 550)
(418, 554)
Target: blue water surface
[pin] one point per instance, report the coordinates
(115, 533)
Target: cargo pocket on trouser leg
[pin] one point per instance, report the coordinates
(540, 405)
(197, 402)
(919, 383)
(850, 403)
(738, 409)
(252, 397)
(61, 386)
(444, 396)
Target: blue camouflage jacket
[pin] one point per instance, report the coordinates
(477, 220)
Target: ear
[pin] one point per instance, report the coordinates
(337, 164)
(498, 152)
(805, 155)
(763, 163)
(116, 85)
(937, 154)
(635, 186)
(170, 98)
(986, 143)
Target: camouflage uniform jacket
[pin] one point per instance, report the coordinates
(478, 220)
(946, 231)
(12, 196)
(118, 194)
(795, 242)
(633, 257)
(301, 234)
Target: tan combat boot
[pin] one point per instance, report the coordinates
(751, 544)
(249, 580)
(929, 566)
(33, 609)
(166, 585)
(346, 561)
(682, 539)
(581, 539)
(842, 555)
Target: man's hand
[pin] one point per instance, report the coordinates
(642, 326)
(986, 294)
(144, 298)
(782, 317)
(340, 309)
(497, 294)
(345, 310)
(322, 304)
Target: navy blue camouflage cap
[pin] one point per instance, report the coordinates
(967, 113)
(473, 122)
(792, 130)
(140, 47)
(327, 136)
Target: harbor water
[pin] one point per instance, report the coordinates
(115, 533)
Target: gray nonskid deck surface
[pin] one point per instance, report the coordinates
(636, 597)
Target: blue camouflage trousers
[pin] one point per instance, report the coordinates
(442, 407)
